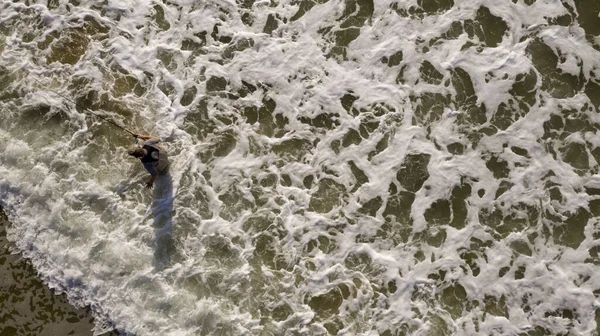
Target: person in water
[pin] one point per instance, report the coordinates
(154, 158)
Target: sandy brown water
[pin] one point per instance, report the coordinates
(27, 306)
(351, 167)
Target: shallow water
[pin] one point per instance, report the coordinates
(338, 167)
(30, 308)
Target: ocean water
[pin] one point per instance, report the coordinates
(27, 307)
(341, 167)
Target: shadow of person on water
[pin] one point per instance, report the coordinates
(162, 212)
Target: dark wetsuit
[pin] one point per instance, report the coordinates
(156, 160)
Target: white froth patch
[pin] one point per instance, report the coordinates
(16, 152)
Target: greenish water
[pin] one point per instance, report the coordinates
(351, 167)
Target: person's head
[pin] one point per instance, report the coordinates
(135, 151)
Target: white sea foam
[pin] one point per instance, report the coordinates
(274, 221)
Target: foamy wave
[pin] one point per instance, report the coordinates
(338, 167)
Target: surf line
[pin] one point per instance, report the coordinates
(85, 109)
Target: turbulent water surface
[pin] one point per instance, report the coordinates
(349, 167)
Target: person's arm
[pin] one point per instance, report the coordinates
(150, 183)
(148, 139)
(151, 168)
(144, 137)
